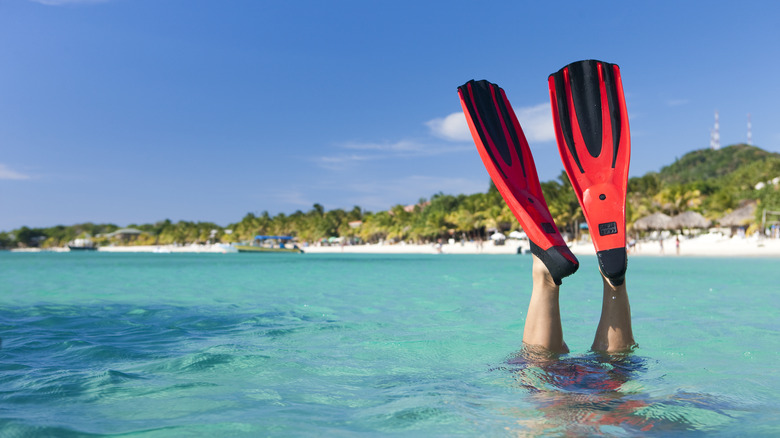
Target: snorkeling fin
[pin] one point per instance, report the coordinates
(507, 157)
(591, 127)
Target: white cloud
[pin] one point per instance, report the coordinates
(7, 173)
(67, 2)
(536, 122)
(452, 127)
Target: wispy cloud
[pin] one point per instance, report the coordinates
(403, 146)
(403, 149)
(342, 162)
(8, 173)
(536, 122)
(67, 2)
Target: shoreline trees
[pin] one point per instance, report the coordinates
(706, 181)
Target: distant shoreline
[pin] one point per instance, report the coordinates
(706, 245)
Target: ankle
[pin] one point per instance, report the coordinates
(541, 274)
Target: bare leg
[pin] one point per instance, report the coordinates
(614, 331)
(543, 322)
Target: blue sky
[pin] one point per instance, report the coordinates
(134, 111)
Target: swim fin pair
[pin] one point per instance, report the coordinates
(591, 127)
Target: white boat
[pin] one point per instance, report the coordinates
(84, 244)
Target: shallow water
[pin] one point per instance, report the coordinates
(154, 345)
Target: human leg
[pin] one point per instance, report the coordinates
(614, 332)
(543, 321)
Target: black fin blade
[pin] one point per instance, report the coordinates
(586, 94)
(490, 108)
(585, 86)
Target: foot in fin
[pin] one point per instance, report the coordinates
(507, 157)
(591, 127)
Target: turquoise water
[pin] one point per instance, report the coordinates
(157, 345)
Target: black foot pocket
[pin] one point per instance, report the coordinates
(613, 264)
(558, 259)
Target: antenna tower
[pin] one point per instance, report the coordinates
(715, 135)
(750, 132)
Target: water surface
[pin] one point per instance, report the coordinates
(157, 345)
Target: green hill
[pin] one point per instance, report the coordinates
(748, 164)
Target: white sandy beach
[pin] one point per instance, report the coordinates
(710, 245)
(707, 245)
(165, 249)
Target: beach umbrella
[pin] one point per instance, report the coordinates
(497, 236)
(656, 221)
(517, 235)
(690, 219)
(741, 216)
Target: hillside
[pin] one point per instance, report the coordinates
(749, 162)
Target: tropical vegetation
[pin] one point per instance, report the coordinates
(710, 182)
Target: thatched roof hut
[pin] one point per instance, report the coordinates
(656, 221)
(125, 232)
(739, 217)
(690, 219)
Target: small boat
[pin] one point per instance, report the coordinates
(82, 245)
(270, 244)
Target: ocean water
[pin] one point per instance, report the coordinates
(158, 345)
